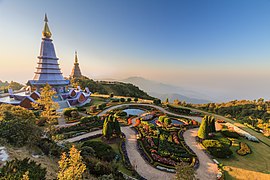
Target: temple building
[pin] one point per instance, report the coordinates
(76, 72)
(48, 71)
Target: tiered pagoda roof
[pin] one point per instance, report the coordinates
(76, 72)
(48, 70)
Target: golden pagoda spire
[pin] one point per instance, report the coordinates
(76, 58)
(46, 33)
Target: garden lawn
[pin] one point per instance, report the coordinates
(260, 136)
(97, 100)
(252, 166)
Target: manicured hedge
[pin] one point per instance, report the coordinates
(231, 134)
(222, 152)
(67, 111)
(217, 149)
(211, 143)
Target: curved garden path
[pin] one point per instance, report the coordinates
(204, 172)
(207, 169)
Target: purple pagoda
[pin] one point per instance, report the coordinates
(48, 70)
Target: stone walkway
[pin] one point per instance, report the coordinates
(208, 169)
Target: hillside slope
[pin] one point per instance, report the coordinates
(106, 87)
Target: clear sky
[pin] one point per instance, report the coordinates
(218, 47)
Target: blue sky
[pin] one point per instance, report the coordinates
(214, 46)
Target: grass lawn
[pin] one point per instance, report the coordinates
(252, 166)
(115, 147)
(97, 100)
(260, 136)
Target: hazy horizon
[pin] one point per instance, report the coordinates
(218, 48)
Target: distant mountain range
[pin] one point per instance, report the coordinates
(163, 91)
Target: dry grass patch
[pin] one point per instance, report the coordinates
(243, 174)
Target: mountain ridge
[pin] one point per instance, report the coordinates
(162, 91)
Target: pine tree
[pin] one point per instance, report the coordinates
(71, 167)
(25, 176)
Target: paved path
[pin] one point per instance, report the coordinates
(208, 169)
(142, 166)
(196, 118)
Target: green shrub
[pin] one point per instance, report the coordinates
(49, 147)
(67, 111)
(217, 149)
(101, 106)
(244, 149)
(128, 99)
(221, 152)
(97, 167)
(229, 133)
(103, 151)
(122, 99)
(211, 143)
(88, 119)
(120, 113)
(15, 169)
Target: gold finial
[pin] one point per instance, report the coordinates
(76, 57)
(46, 19)
(46, 31)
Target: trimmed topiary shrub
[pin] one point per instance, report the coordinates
(222, 152)
(67, 112)
(211, 143)
(122, 99)
(217, 149)
(244, 149)
(230, 134)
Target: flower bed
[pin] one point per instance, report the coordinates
(163, 146)
(125, 158)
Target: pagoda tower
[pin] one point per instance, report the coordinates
(76, 72)
(48, 70)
